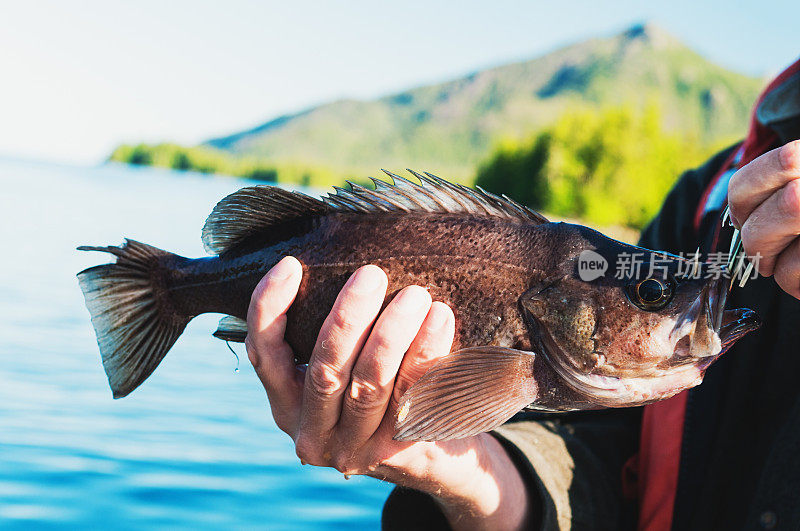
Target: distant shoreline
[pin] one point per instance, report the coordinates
(208, 160)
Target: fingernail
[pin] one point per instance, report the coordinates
(437, 317)
(411, 299)
(282, 270)
(366, 280)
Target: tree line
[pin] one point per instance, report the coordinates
(607, 167)
(612, 167)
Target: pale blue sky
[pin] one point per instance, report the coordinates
(77, 78)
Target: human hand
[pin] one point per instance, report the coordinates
(340, 411)
(764, 199)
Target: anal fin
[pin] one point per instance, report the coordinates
(231, 328)
(467, 392)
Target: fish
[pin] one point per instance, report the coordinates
(543, 321)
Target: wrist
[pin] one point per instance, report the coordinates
(491, 493)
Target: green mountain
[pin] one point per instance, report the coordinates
(450, 127)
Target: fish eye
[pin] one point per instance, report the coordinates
(650, 294)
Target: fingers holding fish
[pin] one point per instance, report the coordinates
(385, 457)
(374, 373)
(755, 182)
(772, 226)
(270, 355)
(339, 342)
(380, 456)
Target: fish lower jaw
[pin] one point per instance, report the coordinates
(686, 340)
(691, 347)
(611, 391)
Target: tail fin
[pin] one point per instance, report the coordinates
(132, 320)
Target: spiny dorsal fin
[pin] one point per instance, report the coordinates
(256, 208)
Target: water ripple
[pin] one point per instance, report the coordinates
(194, 447)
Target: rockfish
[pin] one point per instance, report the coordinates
(542, 319)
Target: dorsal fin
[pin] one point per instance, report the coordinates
(254, 209)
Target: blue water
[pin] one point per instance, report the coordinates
(195, 446)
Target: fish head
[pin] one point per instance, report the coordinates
(644, 328)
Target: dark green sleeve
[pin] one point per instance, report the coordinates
(572, 464)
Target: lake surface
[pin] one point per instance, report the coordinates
(195, 446)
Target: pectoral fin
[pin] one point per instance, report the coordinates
(467, 392)
(231, 329)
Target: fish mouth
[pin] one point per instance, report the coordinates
(729, 325)
(706, 329)
(735, 324)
